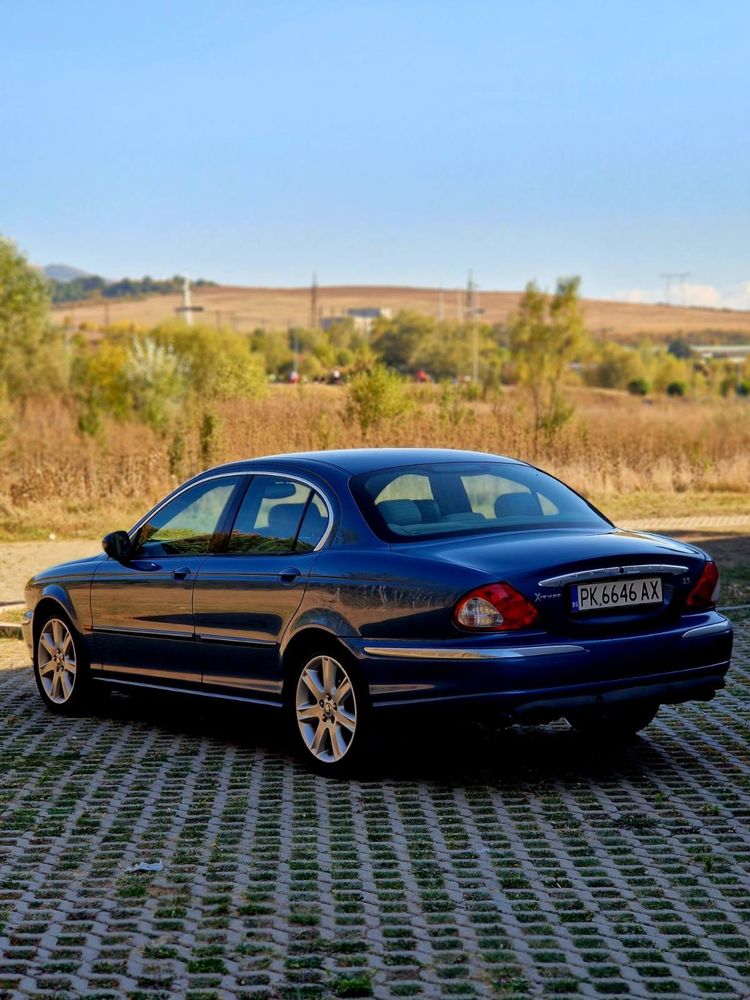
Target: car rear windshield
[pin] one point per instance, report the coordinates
(434, 501)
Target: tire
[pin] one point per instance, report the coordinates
(616, 724)
(329, 713)
(61, 667)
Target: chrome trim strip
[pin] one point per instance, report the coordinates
(488, 653)
(715, 629)
(232, 640)
(613, 571)
(143, 633)
(246, 472)
(182, 690)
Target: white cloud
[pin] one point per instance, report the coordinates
(693, 294)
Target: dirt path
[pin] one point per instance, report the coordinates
(20, 560)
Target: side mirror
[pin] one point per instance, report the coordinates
(116, 544)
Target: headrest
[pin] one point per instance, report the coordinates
(429, 510)
(522, 504)
(400, 512)
(283, 519)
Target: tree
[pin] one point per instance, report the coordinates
(157, 380)
(32, 353)
(397, 340)
(680, 348)
(546, 335)
(217, 364)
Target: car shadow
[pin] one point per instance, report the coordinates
(412, 747)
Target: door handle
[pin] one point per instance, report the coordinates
(289, 575)
(182, 573)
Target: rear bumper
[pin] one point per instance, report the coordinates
(544, 677)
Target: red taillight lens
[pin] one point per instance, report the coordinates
(706, 591)
(497, 607)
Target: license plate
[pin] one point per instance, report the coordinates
(615, 594)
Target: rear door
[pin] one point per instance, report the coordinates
(142, 609)
(246, 595)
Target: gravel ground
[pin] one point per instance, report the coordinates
(20, 560)
(479, 864)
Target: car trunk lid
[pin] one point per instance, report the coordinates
(583, 581)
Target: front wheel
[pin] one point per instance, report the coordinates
(330, 706)
(617, 723)
(60, 665)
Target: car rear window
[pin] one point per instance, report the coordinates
(435, 501)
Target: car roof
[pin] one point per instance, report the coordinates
(355, 461)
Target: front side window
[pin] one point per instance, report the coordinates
(434, 501)
(187, 524)
(278, 515)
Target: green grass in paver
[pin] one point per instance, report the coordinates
(351, 986)
(533, 867)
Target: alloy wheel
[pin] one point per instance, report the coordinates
(326, 709)
(57, 661)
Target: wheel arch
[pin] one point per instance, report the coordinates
(308, 639)
(53, 600)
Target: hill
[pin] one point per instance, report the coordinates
(245, 308)
(64, 272)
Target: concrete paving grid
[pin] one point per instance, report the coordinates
(522, 864)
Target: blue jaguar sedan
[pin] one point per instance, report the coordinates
(341, 587)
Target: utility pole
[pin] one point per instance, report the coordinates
(670, 276)
(314, 302)
(472, 311)
(295, 350)
(682, 278)
(187, 308)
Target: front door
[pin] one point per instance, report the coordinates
(142, 609)
(246, 595)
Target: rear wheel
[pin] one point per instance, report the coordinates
(60, 665)
(330, 707)
(620, 722)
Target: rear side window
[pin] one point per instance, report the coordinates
(278, 515)
(497, 496)
(314, 525)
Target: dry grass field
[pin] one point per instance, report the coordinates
(245, 308)
(636, 459)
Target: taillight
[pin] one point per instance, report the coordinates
(498, 607)
(705, 593)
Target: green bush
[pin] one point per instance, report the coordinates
(615, 367)
(218, 364)
(375, 396)
(639, 387)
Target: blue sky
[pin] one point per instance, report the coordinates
(382, 141)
